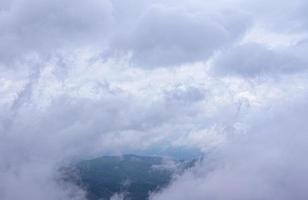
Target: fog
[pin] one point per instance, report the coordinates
(79, 79)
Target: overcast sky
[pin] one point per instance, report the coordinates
(80, 78)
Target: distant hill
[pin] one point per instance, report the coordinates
(132, 176)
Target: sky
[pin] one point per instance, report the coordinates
(86, 78)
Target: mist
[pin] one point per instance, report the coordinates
(80, 79)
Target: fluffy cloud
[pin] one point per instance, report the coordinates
(172, 35)
(42, 27)
(155, 35)
(48, 121)
(80, 78)
(258, 60)
(265, 164)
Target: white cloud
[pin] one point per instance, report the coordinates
(80, 78)
(258, 60)
(267, 163)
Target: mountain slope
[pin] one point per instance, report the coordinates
(132, 176)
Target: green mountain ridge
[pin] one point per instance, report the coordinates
(132, 176)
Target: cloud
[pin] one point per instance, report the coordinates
(100, 107)
(157, 34)
(252, 60)
(172, 35)
(266, 163)
(43, 27)
(82, 78)
(50, 121)
(277, 16)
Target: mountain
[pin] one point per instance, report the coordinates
(132, 176)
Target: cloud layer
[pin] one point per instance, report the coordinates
(82, 78)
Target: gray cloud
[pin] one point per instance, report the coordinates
(157, 34)
(60, 101)
(278, 16)
(164, 36)
(42, 27)
(253, 60)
